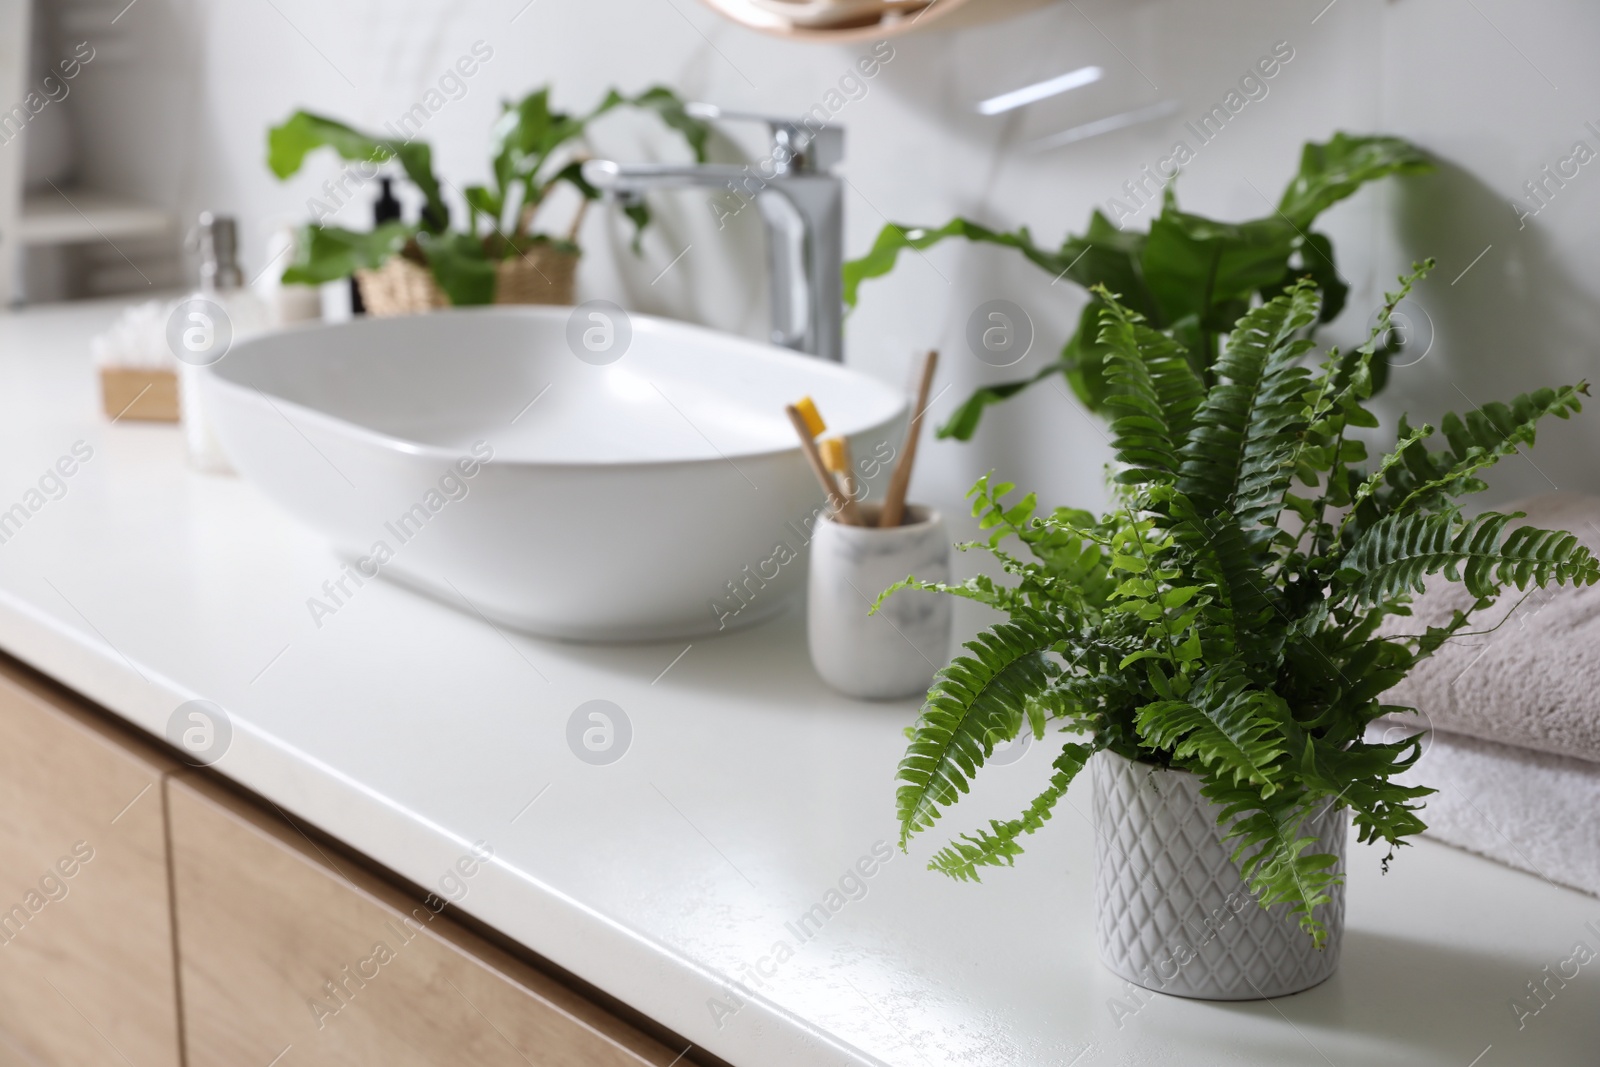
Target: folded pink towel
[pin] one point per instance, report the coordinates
(1535, 681)
(1529, 810)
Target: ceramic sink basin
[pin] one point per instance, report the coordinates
(470, 454)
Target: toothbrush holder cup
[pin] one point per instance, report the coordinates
(894, 653)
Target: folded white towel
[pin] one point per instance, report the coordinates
(1535, 681)
(1529, 810)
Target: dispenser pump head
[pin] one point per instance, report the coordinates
(218, 237)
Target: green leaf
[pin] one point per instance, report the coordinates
(1193, 264)
(1140, 434)
(1332, 171)
(964, 423)
(1358, 774)
(289, 143)
(482, 201)
(328, 253)
(671, 110)
(895, 238)
(531, 144)
(461, 267)
(1191, 275)
(1388, 463)
(981, 588)
(528, 131)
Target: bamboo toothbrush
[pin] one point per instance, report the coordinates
(836, 457)
(894, 505)
(807, 425)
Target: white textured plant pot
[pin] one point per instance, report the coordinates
(1172, 913)
(894, 653)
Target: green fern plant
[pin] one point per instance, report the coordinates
(1224, 618)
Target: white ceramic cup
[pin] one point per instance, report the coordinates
(894, 653)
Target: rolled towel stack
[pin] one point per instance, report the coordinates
(1515, 717)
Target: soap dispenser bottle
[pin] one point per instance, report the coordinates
(204, 325)
(385, 209)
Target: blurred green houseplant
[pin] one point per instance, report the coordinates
(533, 151)
(1189, 275)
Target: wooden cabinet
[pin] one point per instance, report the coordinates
(150, 915)
(291, 952)
(86, 949)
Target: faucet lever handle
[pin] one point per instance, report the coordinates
(806, 145)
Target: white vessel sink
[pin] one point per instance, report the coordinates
(661, 495)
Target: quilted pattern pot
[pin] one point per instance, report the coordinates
(1172, 913)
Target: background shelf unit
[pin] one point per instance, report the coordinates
(59, 215)
(69, 216)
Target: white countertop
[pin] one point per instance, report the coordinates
(410, 730)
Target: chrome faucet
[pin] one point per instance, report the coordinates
(800, 200)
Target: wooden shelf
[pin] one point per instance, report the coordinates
(76, 215)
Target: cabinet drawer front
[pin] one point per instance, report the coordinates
(287, 949)
(86, 954)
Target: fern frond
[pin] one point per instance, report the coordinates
(1225, 726)
(1039, 587)
(975, 702)
(1152, 394)
(992, 513)
(1278, 424)
(1270, 850)
(1245, 603)
(1376, 479)
(1343, 386)
(1241, 428)
(1399, 551)
(980, 588)
(1487, 435)
(1434, 637)
(1071, 551)
(997, 846)
(1179, 388)
(1360, 774)
(1139, 432)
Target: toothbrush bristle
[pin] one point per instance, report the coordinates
(813, 418)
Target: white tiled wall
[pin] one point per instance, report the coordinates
(1497, 89)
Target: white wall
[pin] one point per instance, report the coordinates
(180, 109)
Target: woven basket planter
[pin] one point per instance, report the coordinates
(543, 274)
